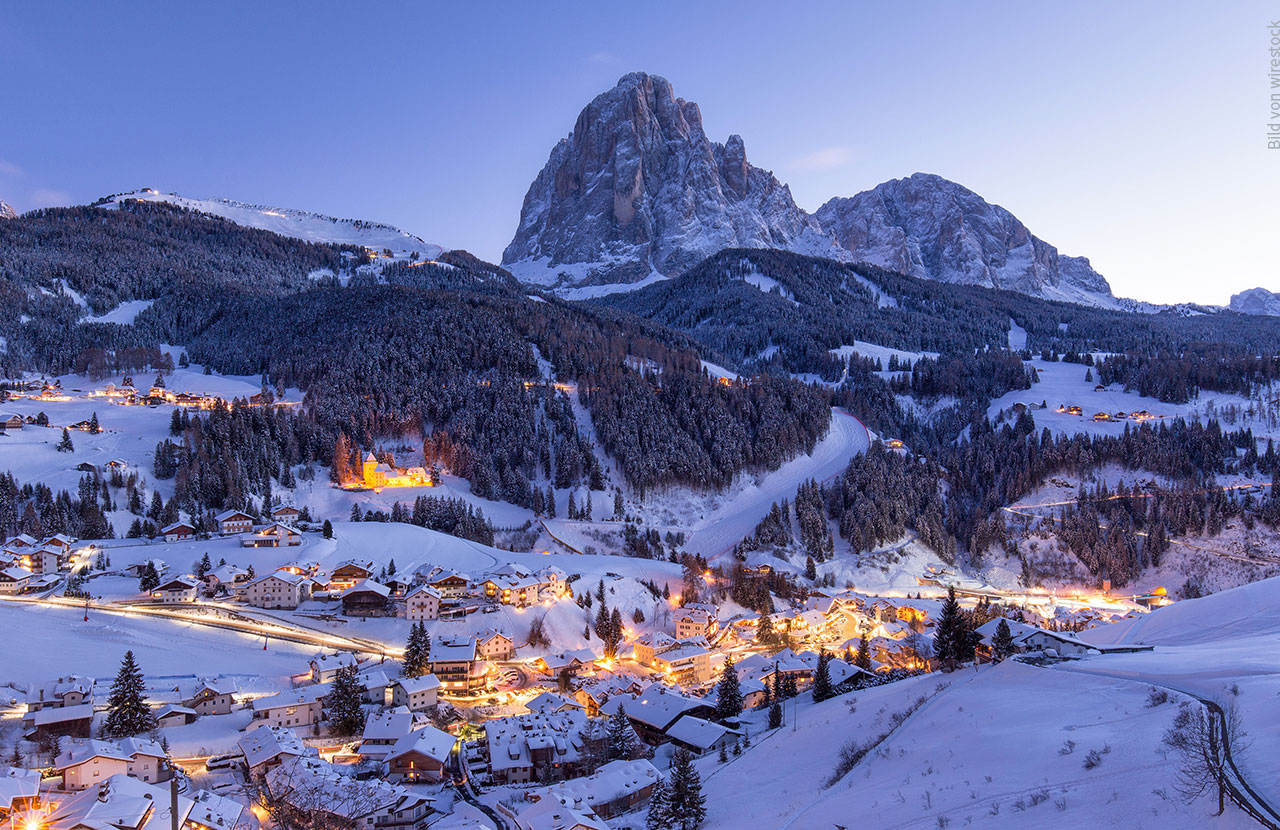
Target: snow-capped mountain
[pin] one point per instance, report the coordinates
(7, 211)
(929, 227)
(638, 191)
(299, 224)
(1256, 301)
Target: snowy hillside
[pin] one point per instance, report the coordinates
(1256, 301)
(299, 224)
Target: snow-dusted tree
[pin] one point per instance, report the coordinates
(863, 660)
(620, 739)
(659, 815)
(728, 692)
(65, 444)
(346, 715)
(686, 805)
(150, 577)
(1002, 643)
(417, 651)
(822, 688)
(127, 711)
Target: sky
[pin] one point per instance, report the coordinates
(1131, 133)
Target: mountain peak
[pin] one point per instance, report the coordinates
(639, 191)
(7, 211)
(929, 226)
(1256, 301)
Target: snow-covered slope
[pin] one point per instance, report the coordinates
(299, 224)
(638, 189)
(1256, 301)
(7, 211)
(929, 227)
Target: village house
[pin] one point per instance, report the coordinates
(120, 803)
(514, 588)
(492, 644)
(688, 664)
(291, 709)
(72, 690)
(148, 762)
(68, 721)
(549, 702)
(456, 664)
(42, 560)
(647, 646)
(420, 756)
(285, 513)
(367, 599)
(375, 475)
(178, 589)
(8, 420)
(701, 736)
(695, 620)
(22, 540)
(266, 748)
(656, 710)
(382, 730)
(417, 693)
(596, 691)
(339, 800)
(178, 532)
(230, 577)
(231, 522)
(564, 662)
(450, 584)
(210, 811)
(422, 604)
(549, 814)
(13, 580)
(171, 714)
(522, 747)
(281, 589)
(349, 573)
(19, 791)
(274, 535)
(210, 699)
(85, 763)
(325, 667)
(617, 787)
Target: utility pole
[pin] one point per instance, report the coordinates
(173, 802)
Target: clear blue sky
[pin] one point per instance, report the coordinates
(1131, 133)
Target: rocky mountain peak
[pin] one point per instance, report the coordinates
(7, 211)
(1256, 301)
(638, 189)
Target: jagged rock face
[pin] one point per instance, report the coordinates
(7, 211)
(1256, 301)
(930, 227)
(638, 188)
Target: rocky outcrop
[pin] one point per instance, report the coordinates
(638, 189)
(930, 227)
(1256, 301)
(7, 211)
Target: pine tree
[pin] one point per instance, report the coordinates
(355, 513)
(686, 805)
(724, 754)
(947, 635)
(417, 651)
(65, 444)
(765, 635)
(150, 577)
(1002, 643)
(346, 716)
(204, 566)
(613, 637)
(728, 692)
(620, 740)
(127, 712)
(659, 817)
(94, 426)
(327, 530)
(863, 660)
(822, 688)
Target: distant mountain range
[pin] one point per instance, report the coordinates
(1256, 301)
(638, 192)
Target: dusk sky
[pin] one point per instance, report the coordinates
(1133, 133)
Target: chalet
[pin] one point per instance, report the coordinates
(292, 709)
(178, 532)
(179, 589)
(647, 646)
(174, 715)
(570, 662)
(656, 710)
(231, 522)
(382, 730)
(285, 513)
(8, 420)
(689, 663)
(225, 576)
(333, 799)
(701, 736)
(22, 540)
(148, 762)
(349, 573)
(210, 811)
(1101, 416)
(274, 535)
(210, 699)
(422, 603)
(450, 584)
(120, 803)
(417, 693)
(13, 580)
(596, 691)
(71, 690)
(42, 560)
(85, 763)
(420, 756)
(549, 814)
(494, 645)
(399, 585)
(512, 589)
(376, 685)
(521, 746)
(325, 667)
(266, 748)
(280, 589)
(695, 621)
(68, 721)
(456, 664)
(367, 599)
(19, 791)
(549, 702)
(617, 787)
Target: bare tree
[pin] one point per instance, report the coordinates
(1200, 742)
(304, 794)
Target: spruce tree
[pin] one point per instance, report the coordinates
(94, 426)
(947, 635)
(775, 709)
(686, 805)
(863, 660)
(65, 444)
(150, 578)
(204, 566)
(127, 712)
(822, 688)
(1002, 643)
(765, 635)
(613, 637)
(415, 662)
(327, 530)
(620, 740)
(659, 816)
(728, 692)
(346, 716)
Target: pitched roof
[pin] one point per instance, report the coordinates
(424, 683)
(697, 732)
(434, 743)
(268, 742)
(80, 751)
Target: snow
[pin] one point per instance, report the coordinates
(1017, 336)
(769, 284)
(719, 371)
(123, 314)
(875, 351)
(310, 227)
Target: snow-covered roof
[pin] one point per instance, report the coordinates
(388, 726)
(179, 583)
(133, 747)
(423, 589)
(423, 683)
(550, 814)
(510, 739)
(614, 781)
(697, 732)
(82, 751)
(367, 586)
(118, 802)
(295, 697)
(551, 702)
(657, 706)
(268, 742)
(447, 651)
(232, 514)
(434, 743)
(16, 782)
(209, 809)
(988, 629)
